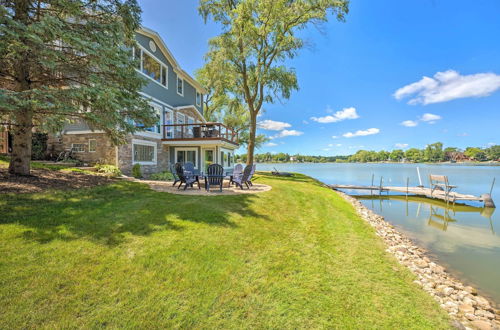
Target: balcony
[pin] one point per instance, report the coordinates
(200, 132)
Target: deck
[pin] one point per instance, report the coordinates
(200, 132)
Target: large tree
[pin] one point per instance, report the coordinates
(257, 38)
(220, 106)
(66, 60)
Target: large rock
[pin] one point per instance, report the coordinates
(465, 309)
(482, 325)
(482, 303)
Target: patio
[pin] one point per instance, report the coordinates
(166, 186)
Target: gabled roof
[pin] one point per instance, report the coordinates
(159, 41)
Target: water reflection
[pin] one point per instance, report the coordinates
(463, 238)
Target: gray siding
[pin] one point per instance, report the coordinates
(168, 95)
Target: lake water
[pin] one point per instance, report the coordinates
(465, 238)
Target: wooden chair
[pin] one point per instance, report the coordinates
(214, 177)
(251, 175)
(243, 179)
(186, 177)
(440, 182)
(237, 172)
(174, 173)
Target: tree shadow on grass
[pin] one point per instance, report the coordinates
(107, 214)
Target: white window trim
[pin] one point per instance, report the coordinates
(192, 118)
(188, 149)
(145, 143)
(198, 103)
(165, 123)
(95, 145)
(182, 80)
(73, 146)
(162, 65)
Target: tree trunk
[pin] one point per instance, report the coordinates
(22, 132)
(21, 144)
(251, 141)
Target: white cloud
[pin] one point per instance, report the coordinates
(344, 114)
(287, 132)
(410, 123)
(430, 118)
(449, 85)
(335, 137)
(271, 144)
(272, 125)
(339, 145)
(369, 131)
(401, 145)
(305, 122)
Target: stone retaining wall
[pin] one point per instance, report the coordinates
(467, 308)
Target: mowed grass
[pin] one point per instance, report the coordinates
(125, 256)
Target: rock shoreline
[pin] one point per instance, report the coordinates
(467, 308)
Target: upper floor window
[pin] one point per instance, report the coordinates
(151, 67)
(198, 98)
(180, 86)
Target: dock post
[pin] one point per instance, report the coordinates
(407, 184)
(380, 188)
(488, 201)
(371, 190)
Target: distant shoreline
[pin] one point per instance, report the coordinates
(407, 163)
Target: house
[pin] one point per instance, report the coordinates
(181, 134)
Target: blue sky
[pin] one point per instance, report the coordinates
(362, 82)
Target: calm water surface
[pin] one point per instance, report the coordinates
(465, 239)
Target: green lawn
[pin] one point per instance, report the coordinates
(125, 256)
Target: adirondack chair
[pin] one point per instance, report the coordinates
(189, 167)
(186, 177)
(243, 179)
(237, 172)
(174, 173)
(214, 177)
(251, 175)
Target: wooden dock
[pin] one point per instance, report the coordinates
(451, 197)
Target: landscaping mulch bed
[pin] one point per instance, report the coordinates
(42, 179)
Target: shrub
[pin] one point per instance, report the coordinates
(108, 169)
(136, 171)
(162, 176)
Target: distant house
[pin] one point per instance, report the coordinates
(181, 133)
(293, 158)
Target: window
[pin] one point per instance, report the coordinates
(198, 98)
(144, 153)
(180, 86)
(92, 145)
(150, 66)
(157, 127)
(222, 158)
(229, 159)
(164, 75)
(169, 120)
(180, 120)
(78, 147)
(187, 155)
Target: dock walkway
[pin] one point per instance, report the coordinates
(422, 191)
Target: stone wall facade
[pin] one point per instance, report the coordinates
(105, 151)
(125, 156)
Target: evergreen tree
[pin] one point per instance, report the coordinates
(65, 61)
